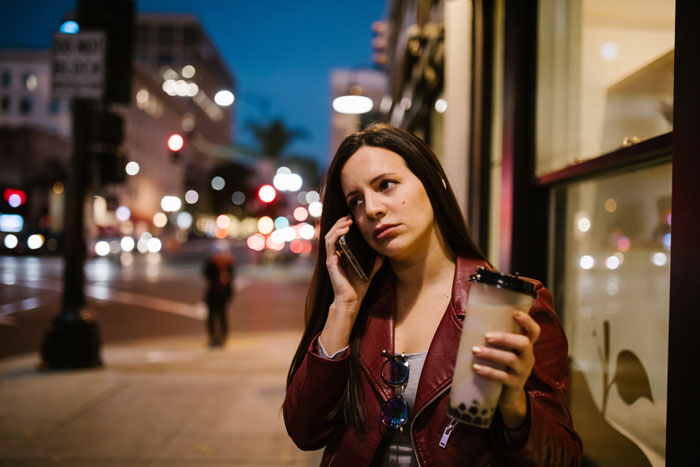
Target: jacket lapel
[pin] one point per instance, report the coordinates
(438, 369)
(378, 335)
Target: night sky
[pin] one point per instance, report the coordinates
(281, 51)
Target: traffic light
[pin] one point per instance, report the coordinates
(15, 198)
(267, 194)
(105, 146)
(175, 144)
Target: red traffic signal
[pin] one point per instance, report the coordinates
(267, 193)
(15, 198)
(176, 142)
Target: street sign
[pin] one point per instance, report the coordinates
(78, 65)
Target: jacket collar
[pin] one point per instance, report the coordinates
(438, 369)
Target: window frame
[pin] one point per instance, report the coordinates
(525, 199)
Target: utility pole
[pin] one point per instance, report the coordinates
(72, 339)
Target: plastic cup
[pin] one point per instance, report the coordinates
(492, 299)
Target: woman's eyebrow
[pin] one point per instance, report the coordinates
(371, 182)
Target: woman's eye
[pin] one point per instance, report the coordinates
(386, 184)
(353, 203)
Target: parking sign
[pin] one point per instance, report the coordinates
(78, 65)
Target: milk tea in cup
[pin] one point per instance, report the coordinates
(493, 297)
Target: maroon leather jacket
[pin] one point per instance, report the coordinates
(319, 383)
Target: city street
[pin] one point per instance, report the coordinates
(154, 296)
(163, 398)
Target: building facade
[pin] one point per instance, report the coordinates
(177, 73)
(25, 93)
(578, 150)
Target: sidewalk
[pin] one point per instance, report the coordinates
(157, 403)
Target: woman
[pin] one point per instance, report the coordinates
(390, 185)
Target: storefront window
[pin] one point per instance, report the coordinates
(605, 77)
(613, 288)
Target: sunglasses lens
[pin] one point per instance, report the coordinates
(395, 370)
(395, 413)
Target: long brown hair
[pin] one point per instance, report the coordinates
(421, 160)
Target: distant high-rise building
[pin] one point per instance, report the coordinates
(177, 48)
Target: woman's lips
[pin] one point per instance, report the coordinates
(383, 231)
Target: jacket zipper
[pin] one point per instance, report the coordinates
(448, 431)
(413, 444)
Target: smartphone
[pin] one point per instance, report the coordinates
(358, 253)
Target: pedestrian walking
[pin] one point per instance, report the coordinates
(219, 271)
(374, 348)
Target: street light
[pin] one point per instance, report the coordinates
(224, 98)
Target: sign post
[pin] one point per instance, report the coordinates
(72, 340)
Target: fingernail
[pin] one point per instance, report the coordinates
(489, 336)
(476, 349)
(476, 366)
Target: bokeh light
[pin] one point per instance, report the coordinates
(238, 198)
(610, 205)
(191, 197)
(297, 246)
(102, 248)
(659, 259)
(307, 231)
(315, 209)
(123, 213)
(10, 241)
(218, 183)
(154, 245)
(160, 220)
(223, 221)
(584, 224)
(441, 106)
(301, 214)
(586, 262)
(265, 225)
(312, 196)
(184, 220)
(132, 168)
(623, 243)
(128, 244)
(281, 222)
(176, 142)
(170, 203)
(267, 193)
(224, 98)
(256, 242)
(612, 262)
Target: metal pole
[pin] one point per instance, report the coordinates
(72, 338)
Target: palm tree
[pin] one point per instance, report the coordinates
(274, 137)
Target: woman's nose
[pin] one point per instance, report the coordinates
(374, 207)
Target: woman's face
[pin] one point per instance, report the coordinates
(388, 202)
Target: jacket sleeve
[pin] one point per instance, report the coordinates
(315, 390)
(552, 440)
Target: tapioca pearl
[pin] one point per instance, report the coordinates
(473, 410)
(478, 421)
(463, 407)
